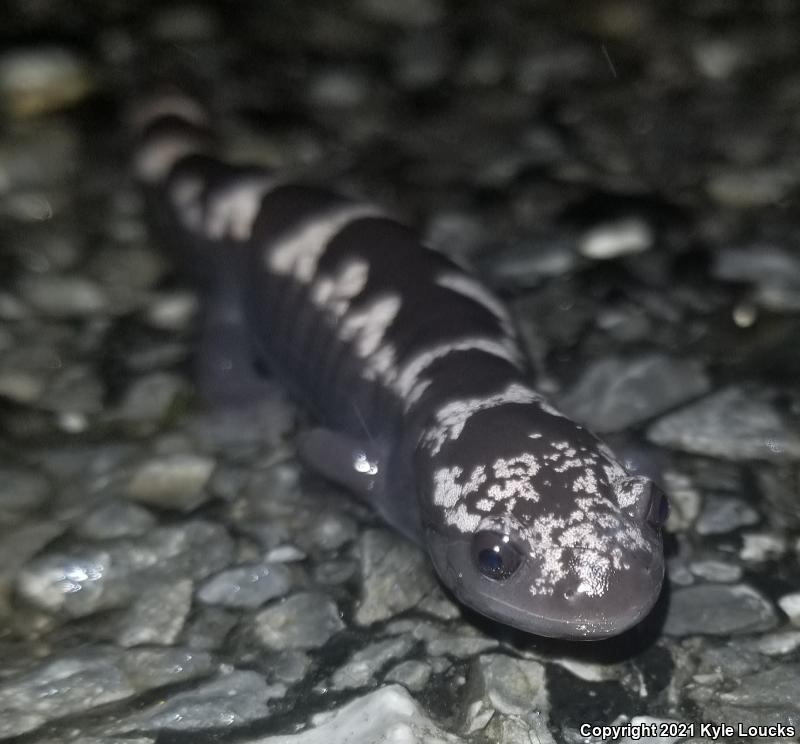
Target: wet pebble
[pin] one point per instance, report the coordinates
(84, 580)
(303, 621)
(157, 616)
(723, 514)
(530, 263)
(790, 604)
(63, 295)
(396, 576)
(389, 714)
(413, 675)
(615, 393)
(81, 680)
(173, 481)
(461, 642)
(360, 669)
(208, 627)
(41, 79)
(248, 586)
(615, 239)
(22, 490)
(115, 519)
(510, 686)
(151, 397)
(718, 609)
(232, 699)
(734, 424)
(761, 546)
(716, 571)
(779, 644)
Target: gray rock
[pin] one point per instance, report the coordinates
(723, 514)
(413, 675)
(230, 700)
(735, 424)
(64, 296)
(615, 393)
(208, 627)
(461, 642)
(157, 616)
(22, 490)
(396, 575)
(39, 79)
(79, 681)
(303, 621)
(115, 519)
(615, 239)
(151, 397)
(387, 714)
(790, 604)
(776, 689)
(172, 481)
(361, 668)
(84, 580)
(716, 571)
(716, 609)
(249, 585)
(510, 686)
(780, 643)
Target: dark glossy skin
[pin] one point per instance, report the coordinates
(414, 370)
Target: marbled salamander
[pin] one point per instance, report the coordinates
(415, 373)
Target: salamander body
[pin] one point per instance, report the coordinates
(414, 371)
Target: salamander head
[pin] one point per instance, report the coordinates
(531, 521)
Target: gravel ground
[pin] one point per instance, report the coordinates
(623, 173)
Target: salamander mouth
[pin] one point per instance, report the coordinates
(570, 610)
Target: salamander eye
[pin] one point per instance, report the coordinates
(495, 556)
(658, 512)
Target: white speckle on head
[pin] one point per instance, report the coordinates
(366, 328)
(472, 288)
(233, 209)
(449, 493)
(514, 476)
(298, 253)
(156, 158)
(334, 293)
(452, 417)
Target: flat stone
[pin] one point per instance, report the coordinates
(733, 424)
(413, 675)
(389, 714)
(115, 519)
(718, 609)
(22, 490)
(83, 580)
(157, 617)
(615, 239)
(172, 481)
(85, 679)
(511, 686)
(360, 669)
(248, 585)
(303, 621)
(396, 576)
(615, 393)
(230, 700)
(722, 514)
(790, 604)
